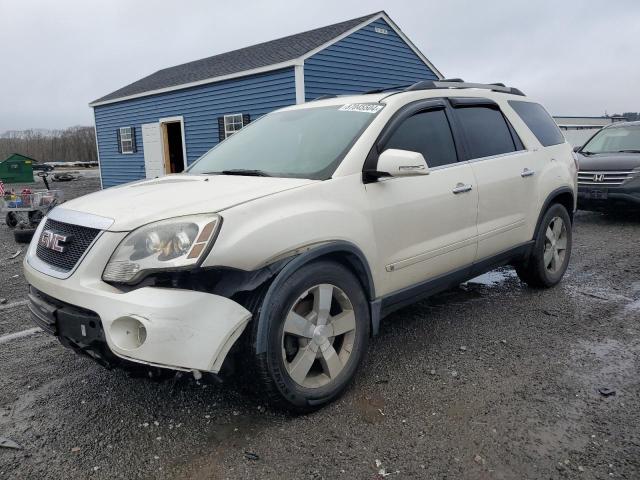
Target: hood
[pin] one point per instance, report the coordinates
(139, 203)
(609, 161)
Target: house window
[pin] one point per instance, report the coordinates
(127, 139)
(232, 123)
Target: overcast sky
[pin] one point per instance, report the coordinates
(578, 57)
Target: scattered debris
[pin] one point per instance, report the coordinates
(504, 342)
(479, 460)
(381, 412)
(251, 456)
(463, 348)
(454, 373)
(432, 372)
(8, 443)
(11, 257)
(382, 380)
(75, 449)
(606, 392)
(580, 468)
(549, 313)
(593, 295)
(3, 301)
(383, 471)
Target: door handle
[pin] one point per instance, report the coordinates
(527, 173)
(461, 188)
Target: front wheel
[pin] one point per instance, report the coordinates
(549, 259)
(317, 335)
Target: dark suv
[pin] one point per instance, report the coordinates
(609, 175)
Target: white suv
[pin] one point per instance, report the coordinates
(285, 245)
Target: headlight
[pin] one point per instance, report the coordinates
(176, 243)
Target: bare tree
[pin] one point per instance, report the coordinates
(74, 144)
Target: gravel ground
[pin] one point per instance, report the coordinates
(491, 380)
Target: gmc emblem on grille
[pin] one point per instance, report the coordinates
(54, 241)
(598, 177)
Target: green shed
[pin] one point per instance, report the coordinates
(17, 169)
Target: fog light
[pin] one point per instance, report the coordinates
(128, 333)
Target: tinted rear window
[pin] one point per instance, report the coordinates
(486, 131)
(539, 122)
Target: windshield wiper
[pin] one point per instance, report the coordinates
(245, 171)
(629, 151)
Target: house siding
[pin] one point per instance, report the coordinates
(199, 106)
(362, 61)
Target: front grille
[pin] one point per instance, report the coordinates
(79, 240)
(604, 178)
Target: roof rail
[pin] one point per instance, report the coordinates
(459, 83)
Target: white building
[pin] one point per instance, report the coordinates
(577, 130)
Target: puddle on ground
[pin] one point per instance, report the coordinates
(495, 277)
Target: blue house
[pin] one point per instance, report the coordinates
(162, 123)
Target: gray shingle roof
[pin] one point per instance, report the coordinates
(256, 56)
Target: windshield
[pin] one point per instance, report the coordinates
(613, 140)
(305, 143)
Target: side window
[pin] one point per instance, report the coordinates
(539, 122)
(428, 133)
(486, 131)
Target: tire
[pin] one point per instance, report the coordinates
(545, 271)
(11, 220)
(280, 371)
(23, 235)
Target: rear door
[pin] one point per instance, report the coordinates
(425, 225)
(498, 160)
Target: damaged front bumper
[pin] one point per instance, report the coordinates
(165, 327)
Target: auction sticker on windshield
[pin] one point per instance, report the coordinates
(361, 107)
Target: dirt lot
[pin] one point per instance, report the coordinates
(491, 380)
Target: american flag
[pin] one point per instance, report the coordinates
(1, 188)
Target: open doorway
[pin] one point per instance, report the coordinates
(173, 150)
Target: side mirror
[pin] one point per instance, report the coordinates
(577, 149)
(401, 163)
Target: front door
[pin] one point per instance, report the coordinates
(152, 146)
(425, 225)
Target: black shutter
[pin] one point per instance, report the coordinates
(119, 142)
(220, 128)
(246, 119)
(134, 145)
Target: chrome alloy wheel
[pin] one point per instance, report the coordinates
(555, 245)
(318, 336)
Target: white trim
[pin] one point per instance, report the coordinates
(178, 118)
(182, 86)
(277, 66)
(95, 130)
(299, 79)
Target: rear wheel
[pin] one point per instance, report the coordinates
(318, 330)
(551, 252)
